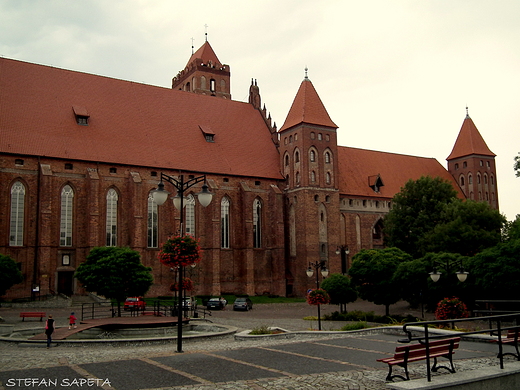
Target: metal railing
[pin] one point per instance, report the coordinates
(493, 330)
(159, 308)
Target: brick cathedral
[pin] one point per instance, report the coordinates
(80, 155)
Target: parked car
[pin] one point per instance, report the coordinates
(189, 302)
(215, 304)
(242, 304)
(135, 303)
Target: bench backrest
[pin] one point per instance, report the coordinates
(435, 346)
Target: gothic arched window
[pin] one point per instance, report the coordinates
(67, 203)
(152, 222)
(224, 223)
(111, 221)
(190, 215)
(16, 226)
(257, 224)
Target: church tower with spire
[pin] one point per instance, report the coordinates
(472, 164)
(204, 74)
(309, 162)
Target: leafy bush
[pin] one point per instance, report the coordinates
(357, 315)
(262, 329)
(355, 326)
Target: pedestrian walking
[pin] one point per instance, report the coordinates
(72, 321)
(49, 329)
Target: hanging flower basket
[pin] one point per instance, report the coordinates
(451, 308)
(187, 285)
(318, 296)
(180, 251)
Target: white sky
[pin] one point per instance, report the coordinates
(394, 76)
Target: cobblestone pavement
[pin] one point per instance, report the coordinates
(303, 362)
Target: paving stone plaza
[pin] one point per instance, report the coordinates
(346, 361)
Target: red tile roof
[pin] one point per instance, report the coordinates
(469, 141)
(129, 123)
(358, 167)
(308, 108)
(206, 54)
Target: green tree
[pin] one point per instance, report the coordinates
(416, 210)
(416, 285)
(372, 271)
(467, 227)
(516, 167)
(412, 279)
(495, 272)
(116, 273)
(9, 274)
(340, 291)
(511, 229)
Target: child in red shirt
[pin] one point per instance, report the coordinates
(72, 321)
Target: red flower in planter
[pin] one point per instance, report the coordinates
(318, 296)
(451, 308)
(187, 284)
(180, 251)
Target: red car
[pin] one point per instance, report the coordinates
(135, 303)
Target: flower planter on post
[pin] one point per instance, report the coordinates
(318, 297)
(176, 253)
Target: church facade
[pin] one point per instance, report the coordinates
(80, 155)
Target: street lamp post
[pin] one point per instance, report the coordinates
(462, 275)
(160, 195)
(318, 265)
(344, 252)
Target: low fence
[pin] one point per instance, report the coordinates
(497, 325)
(158, 308)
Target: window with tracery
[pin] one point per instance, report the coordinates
(16, 227)
(111, 221)
(67, 203)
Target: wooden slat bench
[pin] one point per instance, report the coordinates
(511, 339)
(414, 352)
(24, 315)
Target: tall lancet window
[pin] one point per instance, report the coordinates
(67, 203)
(224, 223)
(257, 224)
(190, 215)
(17, 214)
(111, 223)
(152, 222)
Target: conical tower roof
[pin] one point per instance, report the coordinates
(206, 54)
(469, 142)
(308, 108)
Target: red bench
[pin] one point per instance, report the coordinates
(24, 315)
(414, 352)
(512, 339)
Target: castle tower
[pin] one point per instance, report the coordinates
(308, 149)
(472, 164)
(204, 74)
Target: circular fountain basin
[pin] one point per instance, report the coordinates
(125, 334)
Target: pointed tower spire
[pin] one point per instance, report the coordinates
(472, 164)
(308, 108)
(469, 141)
(204, 74)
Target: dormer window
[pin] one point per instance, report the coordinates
(81, 115)
(375, 182)
(209, 135)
